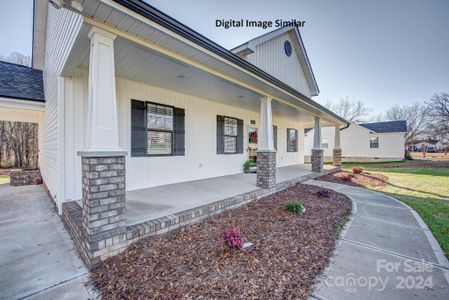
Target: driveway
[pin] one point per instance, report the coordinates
(38, 260)
(385, 251)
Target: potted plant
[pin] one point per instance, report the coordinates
(247, 166)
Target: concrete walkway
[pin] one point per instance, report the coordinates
(385, 251)
(38, 260)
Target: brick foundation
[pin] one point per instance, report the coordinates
(336, 157)
(21, 177)
(266, 169)
(317, 160)
(103, 210)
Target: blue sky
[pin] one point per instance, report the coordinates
(382, 52)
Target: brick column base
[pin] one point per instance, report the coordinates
(336, 157)
(266, 169)
(103, 210)
(317, 160)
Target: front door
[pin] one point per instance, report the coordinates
(252, 144)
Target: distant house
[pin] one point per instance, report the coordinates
(430, 146)
(380, 141)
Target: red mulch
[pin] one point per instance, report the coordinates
(363, 179)
(290, 251)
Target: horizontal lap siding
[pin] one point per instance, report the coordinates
(62, 29)
(200, 160)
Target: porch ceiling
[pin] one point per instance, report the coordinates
(146, 52)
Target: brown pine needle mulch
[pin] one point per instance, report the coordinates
(363, 179)
(290, 251)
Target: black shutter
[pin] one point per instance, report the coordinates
(138, 128)
(179, 131)
(275, 137)
(296, 140)
(239, 136)
(220, 135)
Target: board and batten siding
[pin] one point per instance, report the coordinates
(270, 56)
(200, 160)
(62, 28)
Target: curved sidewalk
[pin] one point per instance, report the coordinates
(385, 251)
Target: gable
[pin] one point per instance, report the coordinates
(268, 53)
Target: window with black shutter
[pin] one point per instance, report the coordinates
(157, 129)
(229, 135)
(292, 140)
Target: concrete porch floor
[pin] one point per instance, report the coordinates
(151, 203)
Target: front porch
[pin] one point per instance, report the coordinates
(157, 210)
(152, 203)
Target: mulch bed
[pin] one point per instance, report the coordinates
(290, 251)
(363, 179)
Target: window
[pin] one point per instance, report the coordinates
(374, 142)
(230, 135)
(325, 144)
(160, 129)
(292, 140)
(156, 129)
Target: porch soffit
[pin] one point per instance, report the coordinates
(149, 53)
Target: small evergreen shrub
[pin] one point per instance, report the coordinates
(247, 165)
(293, 206)
(232, 239)
(357, 170)
(324, 193)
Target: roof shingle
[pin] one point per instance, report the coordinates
(383, 127)
(21, 82)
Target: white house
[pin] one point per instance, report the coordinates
(429, 145)
(380, 141)
(135, 99)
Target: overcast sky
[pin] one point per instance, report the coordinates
(382, 52)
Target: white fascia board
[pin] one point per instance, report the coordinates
(21, 104)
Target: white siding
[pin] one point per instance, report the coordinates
(62, 29)
(355, 142)
(200, 160)
(270, 56)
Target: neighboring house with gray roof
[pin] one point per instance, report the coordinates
(379, 141)
(21, 94)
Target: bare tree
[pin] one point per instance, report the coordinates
(438, 110)
(351, 110)
(17, 58)
(415, 116)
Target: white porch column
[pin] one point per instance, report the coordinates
(265, 134)
(103, 163)
(336, 155)
(102, 121)
(317, 151)
(317, 142)
(266, 154)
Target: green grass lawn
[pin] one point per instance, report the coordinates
(426, 190)
(4, 179)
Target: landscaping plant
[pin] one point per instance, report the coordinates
(232, 239)
(324, 193)
(357, 169)
(293, 206)
(247, 165)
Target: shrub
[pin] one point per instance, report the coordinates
(247, 165)
(293, 206)
(346, 178)
(324, 193)
(232, 239)
(357, 170)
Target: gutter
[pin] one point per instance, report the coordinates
(155, 15)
